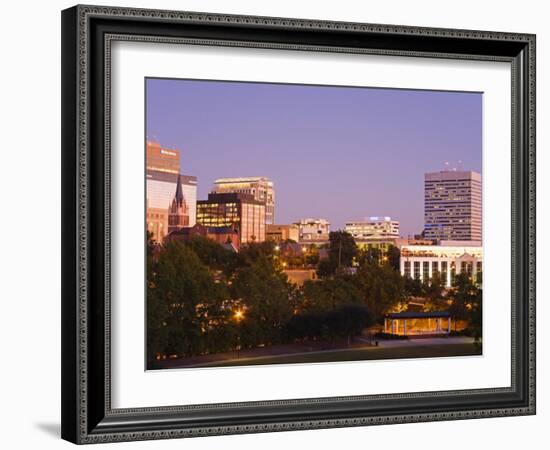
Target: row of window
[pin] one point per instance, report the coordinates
(442, 268)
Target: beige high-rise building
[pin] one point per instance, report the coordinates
(162, 159)
(452, 206)
(261, 188)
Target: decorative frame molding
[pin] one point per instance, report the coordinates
(87, 34)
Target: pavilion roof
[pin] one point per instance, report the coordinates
(418, 315)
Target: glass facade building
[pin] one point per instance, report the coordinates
(241, 211)
(260, 188)
(160, 190)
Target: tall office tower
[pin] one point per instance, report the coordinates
(452, 206)
(261, 188)
(241, 211)
(178, 214)
(162, 159)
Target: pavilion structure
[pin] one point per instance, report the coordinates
(411, 323)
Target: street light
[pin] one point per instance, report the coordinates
(238, 316)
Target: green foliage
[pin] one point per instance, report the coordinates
(266, 293)
(466, 299)
(330, 293)
(394, 257)
(434, 290)
(413, 287)
(342, 249)
(213, 254)
(345, 321)
(382, 287)
(370, 256)
(195, 288)
(182, 300)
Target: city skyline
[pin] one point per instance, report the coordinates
(325, 148)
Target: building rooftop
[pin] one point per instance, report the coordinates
(229, 197)
(448, 175)
(157, 175)
(418, 315)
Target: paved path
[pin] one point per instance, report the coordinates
(391, 349)
(392, 343)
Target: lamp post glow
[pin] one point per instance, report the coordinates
(238, 316)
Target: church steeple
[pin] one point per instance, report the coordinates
(178, 212)
(179, 192)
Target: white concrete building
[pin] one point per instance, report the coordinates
(448, 259)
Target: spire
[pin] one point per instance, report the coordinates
(179, 191)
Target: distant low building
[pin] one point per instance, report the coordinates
(374, 227)
(375, 232)
(225, 236)
(448, 259)
(281, 233)
(411, 323)
(300, 276)
(313, 230)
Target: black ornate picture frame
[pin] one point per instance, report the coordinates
(87, 35)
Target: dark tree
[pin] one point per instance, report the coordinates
(182, 300)
(382, 288)
(394, 257)
(342, 252)
(266, 294)
(330, 293)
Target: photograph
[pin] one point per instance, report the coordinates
(292, 223)
(272, 223)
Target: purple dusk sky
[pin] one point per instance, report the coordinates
(338, 153)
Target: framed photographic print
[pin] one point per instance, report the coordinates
(281, 224)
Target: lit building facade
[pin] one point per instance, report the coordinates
(261, 188)
(313, 230)
(448, 259)
(162, 159)
(281, 233)
(161, 189)
(241, 211)
(452, 205)
(373, 228)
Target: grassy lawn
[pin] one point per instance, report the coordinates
(372, 353)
